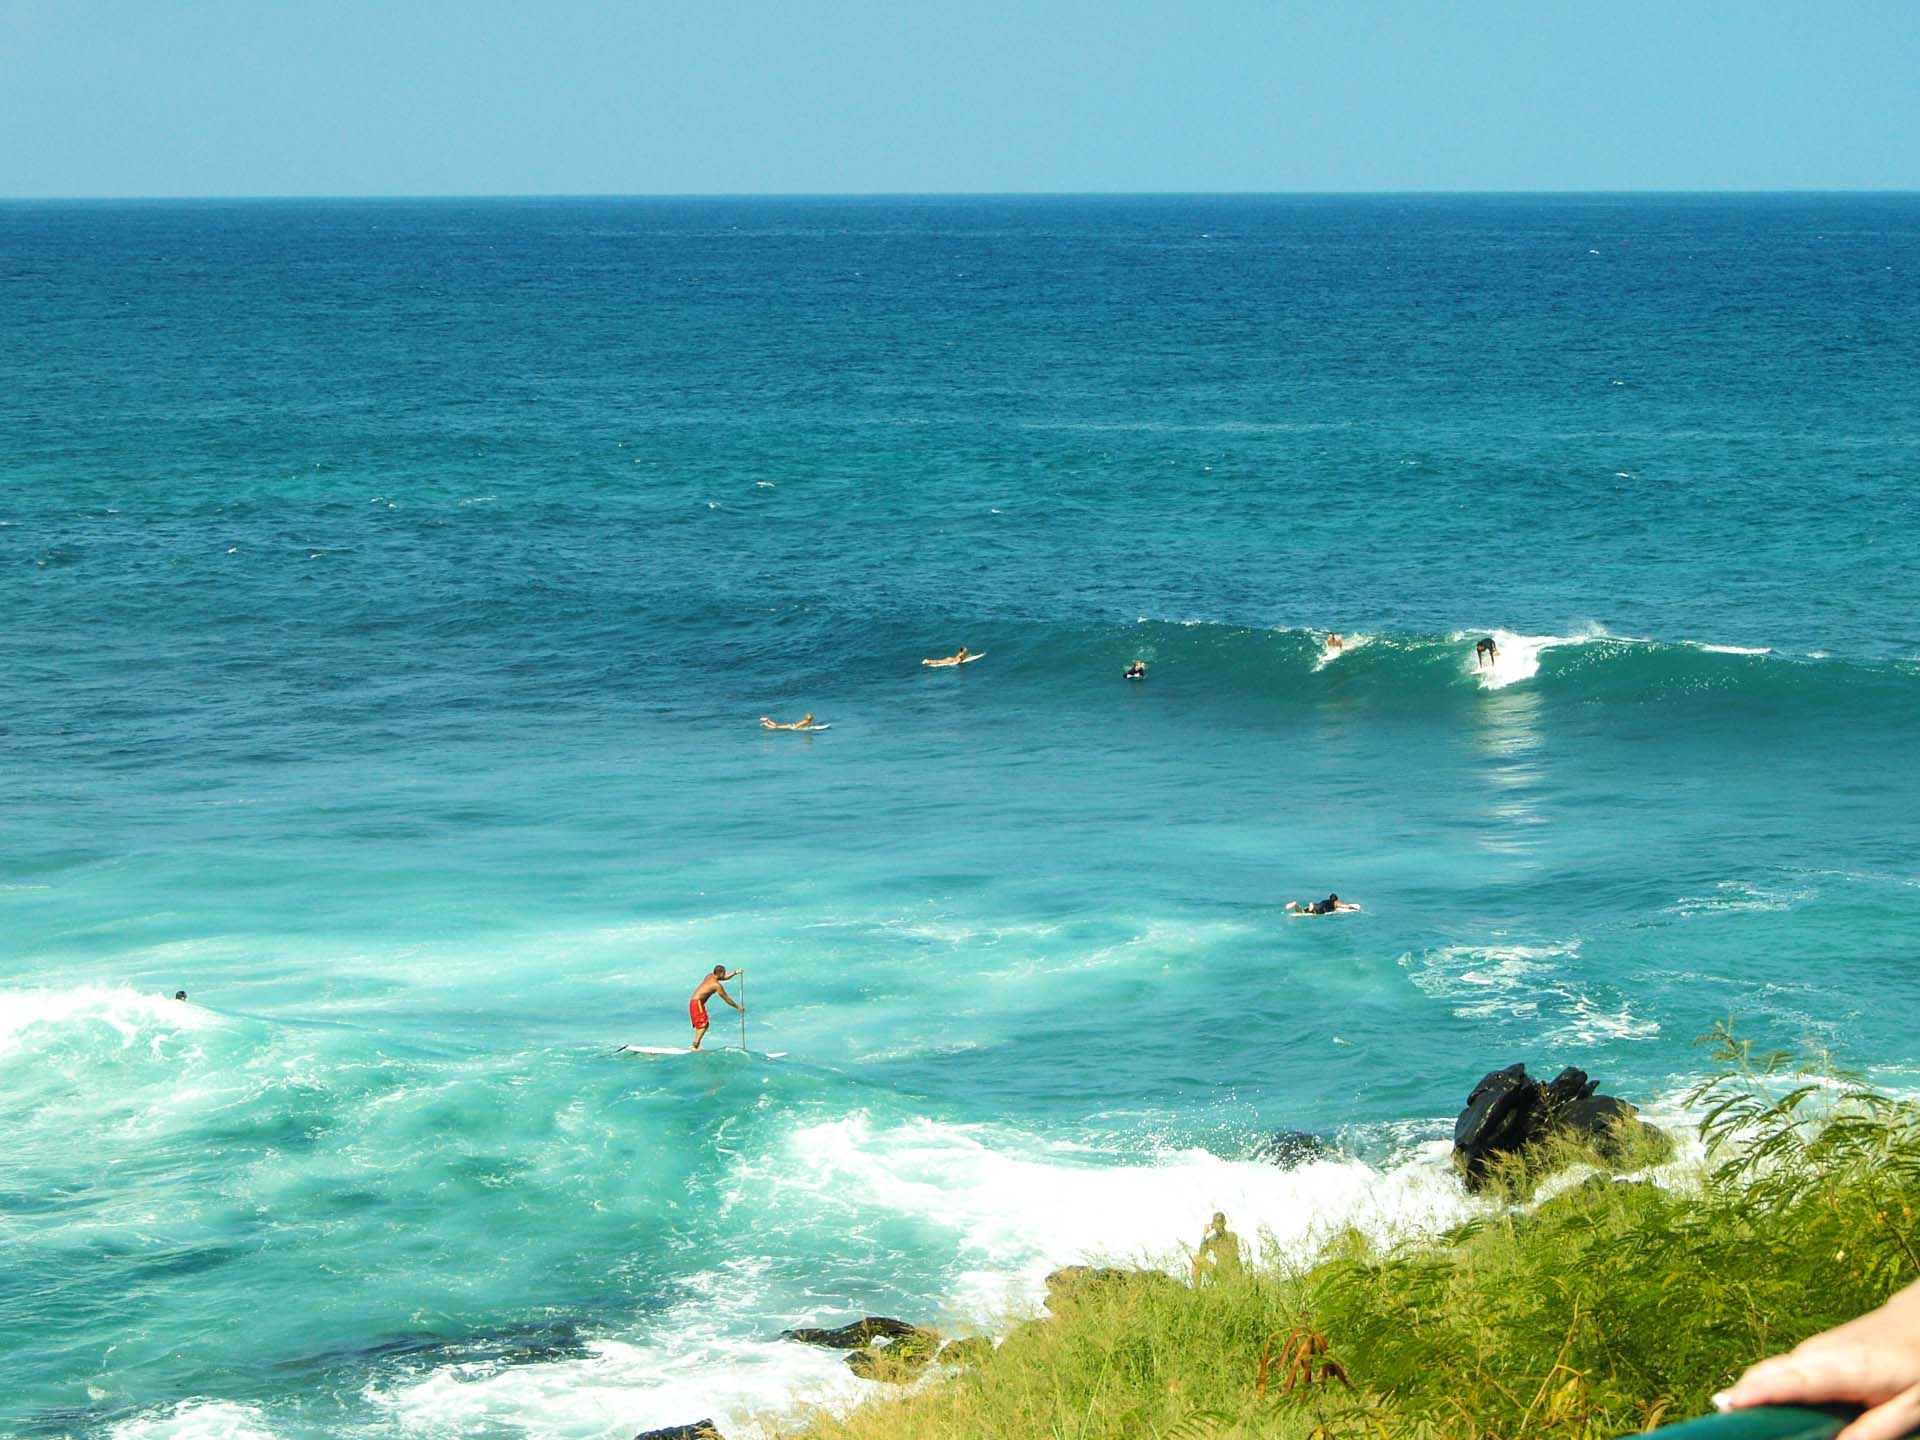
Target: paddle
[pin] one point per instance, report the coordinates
(743, 1007)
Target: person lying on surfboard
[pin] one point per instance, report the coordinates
(1136, 671)
(805, 723)
(1334, 642)
(1319, 907)
(951, 659)
(709, 987)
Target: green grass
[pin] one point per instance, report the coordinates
(1607, 1309)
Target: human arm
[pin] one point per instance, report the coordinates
(1872, 1361)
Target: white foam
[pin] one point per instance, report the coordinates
(1738, 895)
(128, 1012)
(1589, 1024)
(1729, 649)
(1017, 1207)
(197, 1420)
(1517, 657)
(1347, 643)
(1525, 983)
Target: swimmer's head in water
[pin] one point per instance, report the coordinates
(179, 994)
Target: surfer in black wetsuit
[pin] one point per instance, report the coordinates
(1486, 652)
(1136, 671)
(1319, 907)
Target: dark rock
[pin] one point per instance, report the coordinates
(699, 1430)
(1508, 1112)
(863, 1331)
(1079, 1282)
(1569, 1086)
(1291, 1148)
(1503, 1116)
(965, 1353)
(895, 1360)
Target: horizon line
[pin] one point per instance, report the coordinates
(938, 195)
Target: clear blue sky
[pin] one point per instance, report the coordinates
(484, 97)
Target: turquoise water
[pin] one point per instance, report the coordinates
(392, 591)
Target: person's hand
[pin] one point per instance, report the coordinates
(1873, 1361)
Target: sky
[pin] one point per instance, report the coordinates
(592, 97)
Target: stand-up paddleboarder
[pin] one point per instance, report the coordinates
(697, 1007)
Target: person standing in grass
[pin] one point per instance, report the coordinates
(1218, 1257)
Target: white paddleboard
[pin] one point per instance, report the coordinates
(687, 1050)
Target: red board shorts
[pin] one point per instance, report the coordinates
(698, 1014)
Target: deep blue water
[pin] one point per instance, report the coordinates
(391, 591)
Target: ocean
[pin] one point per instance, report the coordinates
(391, 592)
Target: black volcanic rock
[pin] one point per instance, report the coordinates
(1508, 1112)
(1291, 1148)
(861, 1332)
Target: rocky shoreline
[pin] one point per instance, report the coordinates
(1511, 1126)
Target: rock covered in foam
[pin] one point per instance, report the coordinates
(853, 1336)
(698, 1430)
(1509, 1113)
(879, 1347)
(1290, 1149)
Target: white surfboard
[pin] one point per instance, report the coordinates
(688, 1050)
(950, 664)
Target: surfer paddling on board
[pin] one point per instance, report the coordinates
(1319, 907)
(1334, 642)
(1136, 671)
(1485, 652)
(805, 723)
(709, 987)
(960, 659)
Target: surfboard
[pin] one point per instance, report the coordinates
(949, 664)
(688, 1050)
(1322, 914)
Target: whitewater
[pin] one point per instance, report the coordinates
(392, 592)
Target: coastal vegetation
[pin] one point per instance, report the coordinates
(1610, 1306)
